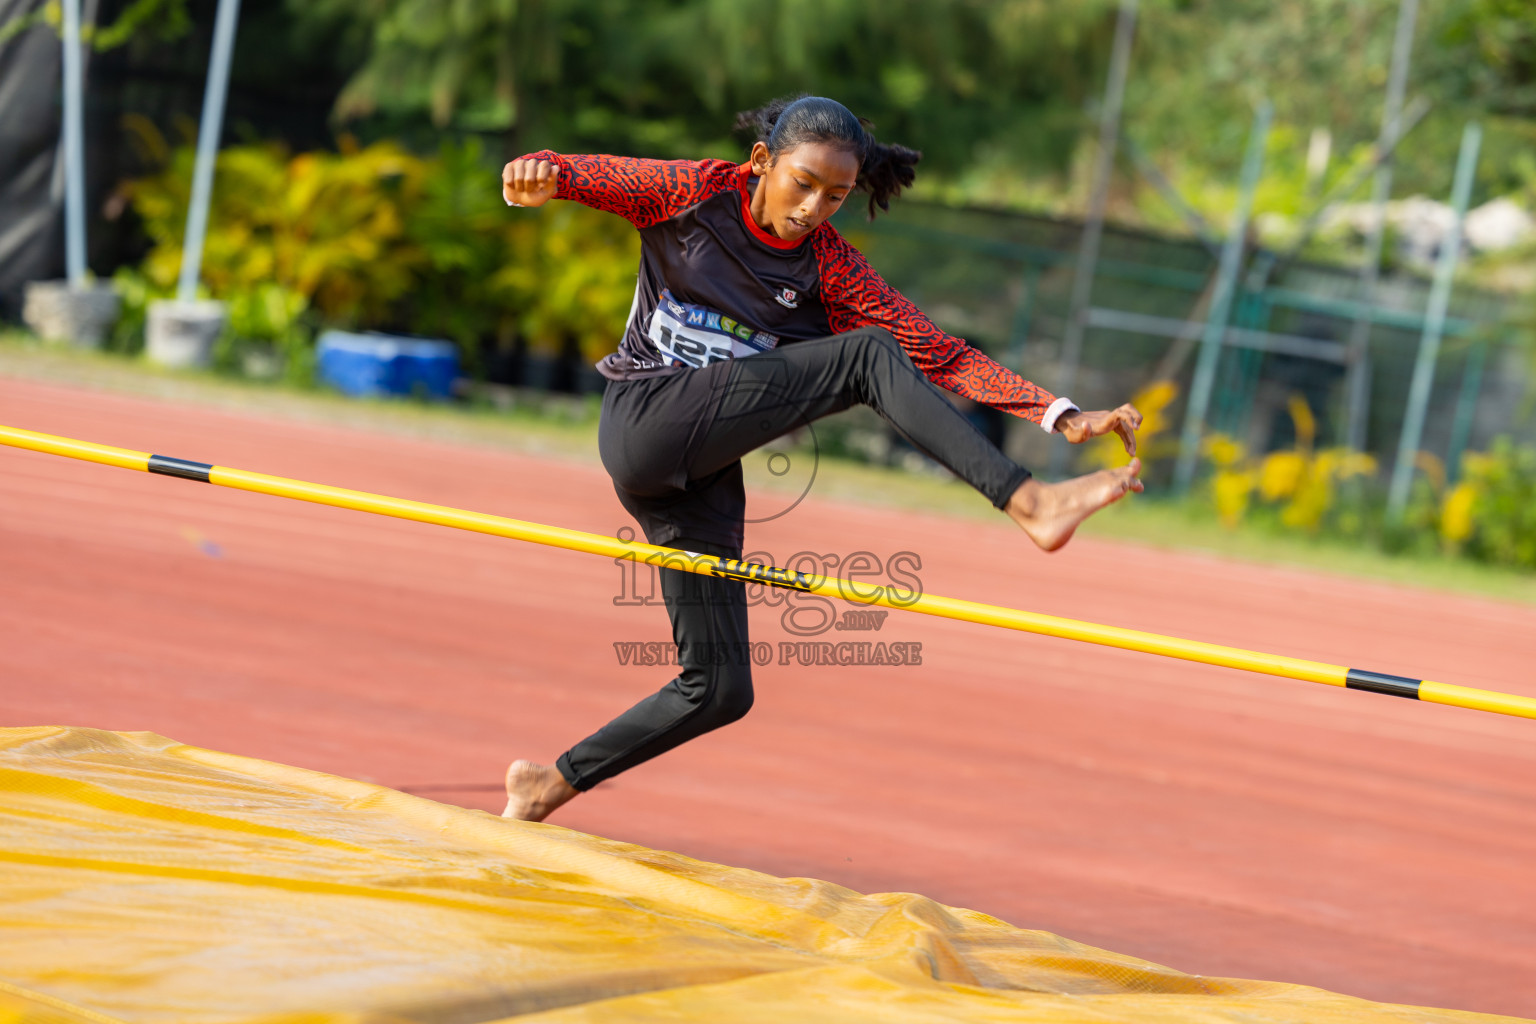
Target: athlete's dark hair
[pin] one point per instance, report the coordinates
(787, 122)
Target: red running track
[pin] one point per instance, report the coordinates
(1217, 822)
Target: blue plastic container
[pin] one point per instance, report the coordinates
(384, 364)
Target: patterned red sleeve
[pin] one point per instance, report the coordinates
(856, 296)
(643, 192)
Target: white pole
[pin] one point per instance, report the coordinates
(1093, 228)
(74, 150)
(1221, 302)
(1434, 326)
(207, 147)
(1358, 377)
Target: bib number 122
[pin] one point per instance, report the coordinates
(688, 348)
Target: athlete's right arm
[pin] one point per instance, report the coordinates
(643, 192)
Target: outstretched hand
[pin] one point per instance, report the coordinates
(1077, 426)
(529, 182)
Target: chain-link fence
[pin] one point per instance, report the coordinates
(1003, 281)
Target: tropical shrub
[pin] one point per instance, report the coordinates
(570, 273)
(328, 226)
(376, 237)
(1491, 514)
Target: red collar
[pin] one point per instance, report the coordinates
(745, 172)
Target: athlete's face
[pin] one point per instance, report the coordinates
(801, 187)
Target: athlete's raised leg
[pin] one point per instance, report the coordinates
(764, 396)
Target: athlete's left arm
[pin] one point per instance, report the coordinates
(856, 296)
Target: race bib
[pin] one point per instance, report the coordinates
(690, 335)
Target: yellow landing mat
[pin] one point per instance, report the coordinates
(142, 880)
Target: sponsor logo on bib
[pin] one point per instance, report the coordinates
(691, 335)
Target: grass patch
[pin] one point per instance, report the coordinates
(1191, 526)
(565, 427)
(1188, 525)
(562, 426)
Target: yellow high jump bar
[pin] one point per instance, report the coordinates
(829, 586)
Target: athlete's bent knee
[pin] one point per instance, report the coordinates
(732, 698)
(724, 697)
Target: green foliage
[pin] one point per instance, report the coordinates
(1324, 64)
(1489, 48)
(560, 272)
(269, 331)
(1341, 494)
(377, 237)
(998, 93)
(327, 226)
(137, 292)
(159, 20)
(1503, 486)
(666, 78)
(444, 57)
(571, 273)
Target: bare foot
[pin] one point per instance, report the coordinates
(535, 790)
(1050, 513)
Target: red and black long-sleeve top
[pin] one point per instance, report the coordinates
(713, 285)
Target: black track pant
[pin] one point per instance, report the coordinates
(673, 445)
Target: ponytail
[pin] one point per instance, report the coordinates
(886, 171)
(787, 122)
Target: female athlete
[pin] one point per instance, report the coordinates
(753, 317)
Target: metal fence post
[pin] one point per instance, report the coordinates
(1466, 409)
(1434, 326)
(214, 93)
(74, 149)
(1358, 381)
(1221, 303)
(1093, 228)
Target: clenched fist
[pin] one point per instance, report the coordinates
(529, 182)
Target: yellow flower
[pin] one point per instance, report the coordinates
(1476, 465)
(1342, 464)
(1152, 401)
(1280, 475)
(1307, 508)
(1231, 489)
(1456, 513)
(1306, 423)
(1224, 451)
(1353, 463)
